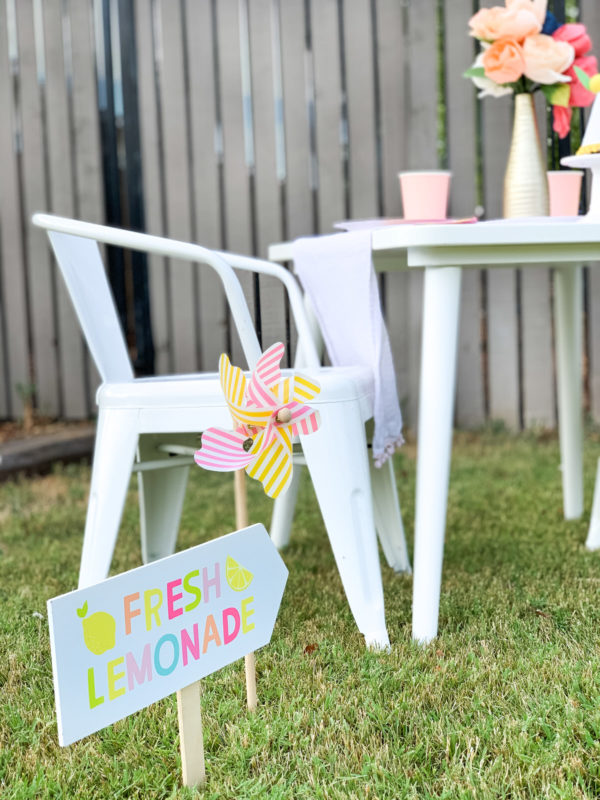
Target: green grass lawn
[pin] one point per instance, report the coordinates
(505, 703)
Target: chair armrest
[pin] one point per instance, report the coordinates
(306, 333)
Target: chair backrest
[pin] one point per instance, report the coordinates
(75, 245)
(83, 272)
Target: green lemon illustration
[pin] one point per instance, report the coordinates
(237, 577)
(98, 630)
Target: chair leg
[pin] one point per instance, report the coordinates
(388, 517)
(593, 538)
(283, 511)
(162, 492)
(337, 460)
(114, 451)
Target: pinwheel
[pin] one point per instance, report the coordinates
(267, 411)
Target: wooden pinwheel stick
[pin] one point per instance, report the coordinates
(241, 521)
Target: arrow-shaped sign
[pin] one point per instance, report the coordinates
(126, 642)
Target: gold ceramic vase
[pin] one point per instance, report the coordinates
(525, 180)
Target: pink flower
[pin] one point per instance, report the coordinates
(561, 120)
(503, 61)
(576, 35)
(546, 59)
(491, 24)
(579, 95)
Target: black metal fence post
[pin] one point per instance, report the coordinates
(123, 187)
(144, 361)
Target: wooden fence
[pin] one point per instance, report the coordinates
(259, 121)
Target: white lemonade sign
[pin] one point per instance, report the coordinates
(131, 640)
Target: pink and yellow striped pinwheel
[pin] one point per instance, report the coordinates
(267, 411)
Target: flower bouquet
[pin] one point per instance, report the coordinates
(524, 50)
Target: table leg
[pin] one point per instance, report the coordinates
(568, 326)
(436, 406)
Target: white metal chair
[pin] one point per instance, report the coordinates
(144, 423)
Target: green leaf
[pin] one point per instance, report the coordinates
(81, 612)
(557, 94)
(583, 77)
(474, 72)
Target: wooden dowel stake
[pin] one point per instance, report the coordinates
(189, 716)
(241, 521)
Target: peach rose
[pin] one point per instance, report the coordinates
(503, 61)
(546, 59)
(491, 24)
(536, 7)
(488, 88)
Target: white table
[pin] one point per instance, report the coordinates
(443, 250)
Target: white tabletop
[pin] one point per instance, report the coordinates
(505, 241)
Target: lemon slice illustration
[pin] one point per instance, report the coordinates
(237, 577)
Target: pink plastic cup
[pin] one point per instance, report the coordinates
(564, 186)
(425, 194)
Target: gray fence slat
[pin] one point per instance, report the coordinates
(391, 58)
(536, 330)
(268, 212)
(153, 190)
(324, 22)
(63, 202)
(590, 14)
(237, 195)
(212, 310)
(45, 353)
(299, 220)
(538, 373)
(177, 184)
(460, 108)
(88, 154)
(421, 110)
(13, 284)
(501, 306)
(262, 69)
(361, 109)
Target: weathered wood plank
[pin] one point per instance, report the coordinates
(391, 59)
(39, 453)
(502, 331)
(267, 184)
(205, 176)
(13, 284)
(151, 146)
(238, 237)
(88, 150)
(326, 59)
(62, 183)
(462, 150)
(536, 330)
(590, 16)
(358, 37)
(296, 86)
(41, 270)
(177, 183)
(538, 374)
(421, 111)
